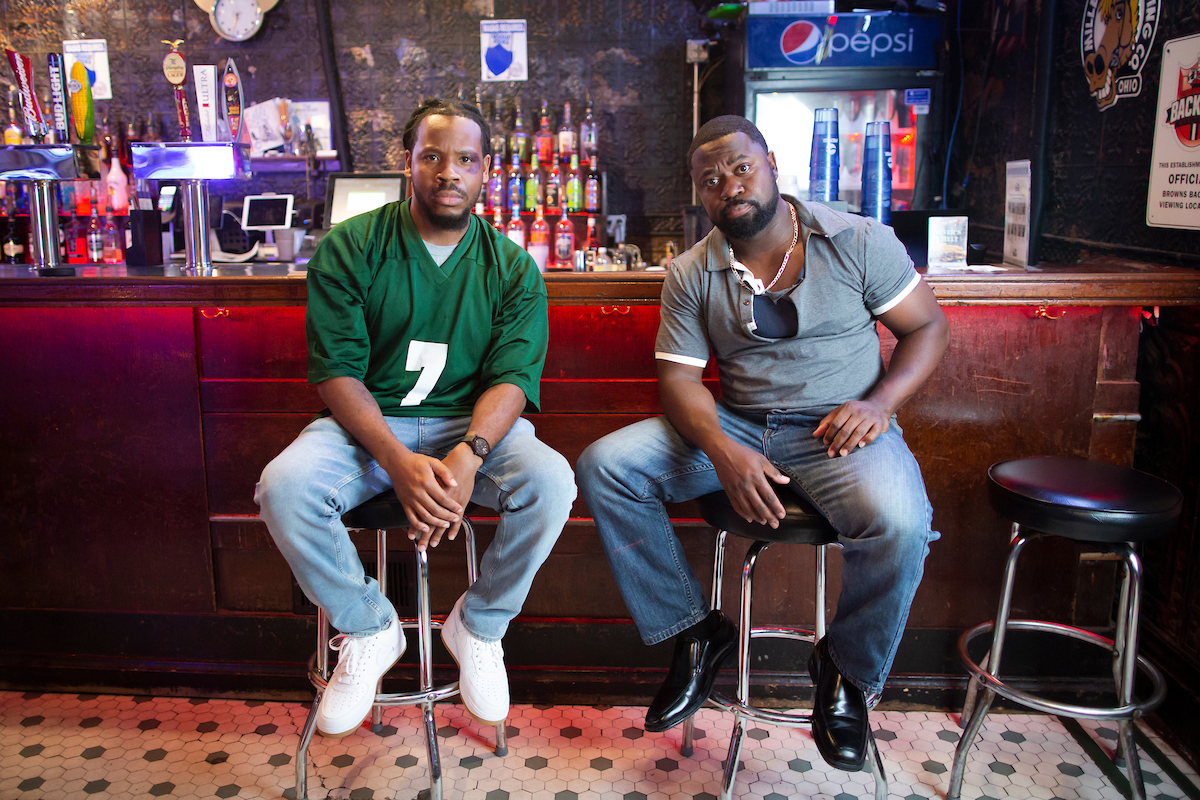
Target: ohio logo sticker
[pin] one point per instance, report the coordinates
(1114, 42)
(800, 42)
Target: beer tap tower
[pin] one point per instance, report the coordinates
(193, 164)
(43, 165)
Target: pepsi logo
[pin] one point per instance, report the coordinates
(800, 42)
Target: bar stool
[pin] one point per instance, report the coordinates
(801, 525)
(1106, 506)
(380, 513)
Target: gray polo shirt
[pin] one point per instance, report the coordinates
(854, 270)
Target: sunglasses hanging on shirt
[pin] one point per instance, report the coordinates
(769, 319)
(774, 320)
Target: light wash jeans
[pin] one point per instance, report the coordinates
(324, 473)
(874, 498)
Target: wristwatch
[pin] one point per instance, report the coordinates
(479, 445)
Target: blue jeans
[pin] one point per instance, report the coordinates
(874, 498)
(324, 473)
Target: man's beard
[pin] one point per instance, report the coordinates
(747, 226)
(441, 220)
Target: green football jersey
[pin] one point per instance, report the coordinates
(425, 340)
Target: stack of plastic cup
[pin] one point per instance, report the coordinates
(877, 173)
(825, 163)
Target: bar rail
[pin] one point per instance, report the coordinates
(1101, 282)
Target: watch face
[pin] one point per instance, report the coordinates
(236, 19)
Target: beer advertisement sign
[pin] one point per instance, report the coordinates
(1174, 195)
(1114, 41)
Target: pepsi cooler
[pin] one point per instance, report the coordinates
(871, 67)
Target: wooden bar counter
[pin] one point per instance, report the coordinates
(139, 409)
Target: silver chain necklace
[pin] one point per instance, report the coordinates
(786, 256)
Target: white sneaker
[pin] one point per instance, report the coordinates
(363, 660)
(482, 680)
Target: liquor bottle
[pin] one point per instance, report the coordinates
(499, 134)
(76, 240)
(568, 137)
(127, 150)
(118, 184)
(153, 125)
(543, 140)
(574, 187)
(533, 184)
(539, 240)
(495, 187)
(564, 240)
(588, 134)
(13, 134)
(95, 237)
(105, 159)
(591, 189)
(515, 186)
(590, 242)
(498, 221)
(516, 230)
(602, 262)
(553, 190)
(518, 139)
(112, 246)
(12, 251)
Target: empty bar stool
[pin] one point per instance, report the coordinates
(801, 525)
(380, 513)
(1107, 506)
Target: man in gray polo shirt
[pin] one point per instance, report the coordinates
(785, 295)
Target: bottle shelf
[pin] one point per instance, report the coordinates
(264, 164)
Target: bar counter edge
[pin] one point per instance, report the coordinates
(1110, 282)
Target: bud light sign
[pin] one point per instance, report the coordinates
(841, 40)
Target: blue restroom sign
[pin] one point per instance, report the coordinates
(503, 51)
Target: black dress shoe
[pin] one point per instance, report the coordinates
(699, 652)
(839, 718)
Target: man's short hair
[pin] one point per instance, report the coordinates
(718, 127)
(447, 108)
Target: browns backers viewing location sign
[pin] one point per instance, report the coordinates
(1114, 41)
(1173, 200)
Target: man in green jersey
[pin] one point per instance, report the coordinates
(427, 331)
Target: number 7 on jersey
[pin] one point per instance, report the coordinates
(430, 358)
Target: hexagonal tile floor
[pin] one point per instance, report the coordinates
(101, 746)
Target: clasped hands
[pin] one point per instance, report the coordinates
(745, 473)
(434, 493)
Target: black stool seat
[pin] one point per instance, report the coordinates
(1086, 500)
(382, 511)
(802, 525)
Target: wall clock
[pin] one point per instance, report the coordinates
(236, 20)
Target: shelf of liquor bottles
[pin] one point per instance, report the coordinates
(550, 175)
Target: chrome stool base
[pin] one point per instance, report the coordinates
(425, 696)
(985, 682)
(740, 706)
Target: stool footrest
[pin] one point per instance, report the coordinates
(788, 719)
(390, 699)
(784, 632)
(988, 681)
